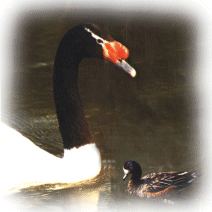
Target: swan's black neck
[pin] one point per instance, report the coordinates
(73, 126)
(86, 40)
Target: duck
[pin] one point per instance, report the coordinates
(156, 185)
(22, 162)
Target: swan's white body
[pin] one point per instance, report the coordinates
(24, 164)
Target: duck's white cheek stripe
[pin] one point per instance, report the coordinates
(96, 37)
(126, 171)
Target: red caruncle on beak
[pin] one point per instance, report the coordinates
(114, 51)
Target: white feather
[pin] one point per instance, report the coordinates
(21, 162)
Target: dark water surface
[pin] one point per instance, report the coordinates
(150, 119)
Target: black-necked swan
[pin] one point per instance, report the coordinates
(27, 163)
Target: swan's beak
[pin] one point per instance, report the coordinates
(116, 53)
(122, 64)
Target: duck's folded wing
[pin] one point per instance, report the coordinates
(162, 182)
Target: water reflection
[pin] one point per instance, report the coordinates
(147, 119)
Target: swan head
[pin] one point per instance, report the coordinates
(111, 50)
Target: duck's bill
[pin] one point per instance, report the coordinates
(122, 64)
(125, 176)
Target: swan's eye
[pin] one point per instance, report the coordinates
(99, 41)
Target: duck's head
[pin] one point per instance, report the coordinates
(89, 40)
(132, 167)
